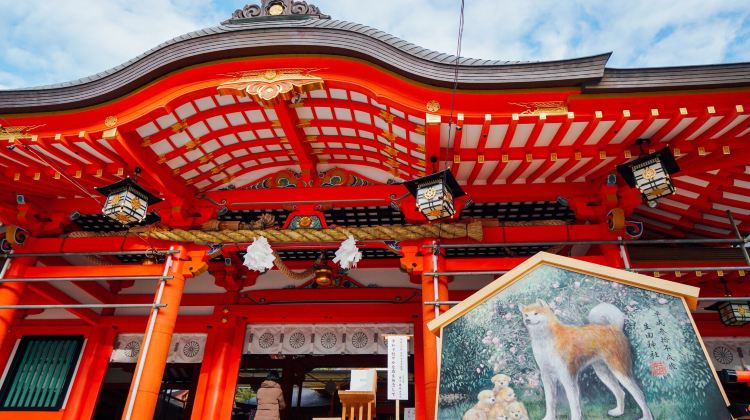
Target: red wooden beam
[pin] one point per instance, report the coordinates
(481, 147)
(554, 144)
(58, 297)
(454, 141)
(290, 123)
(164, 181)
(509, 133)
(77, 271)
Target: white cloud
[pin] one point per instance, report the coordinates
(48, 42)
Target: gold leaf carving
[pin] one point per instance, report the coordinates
(539, 108)
(270, 85)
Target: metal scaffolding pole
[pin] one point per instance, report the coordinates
(600, 242)
(149, 333)
(55, 279)
(636, 270)
(739, 236)
(85, 306)
(155, 252)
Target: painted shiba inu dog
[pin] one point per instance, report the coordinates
(563, 351)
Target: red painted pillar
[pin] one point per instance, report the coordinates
(419, 390)
(218, 370)
(94, 362)
(612, 256)
(429, 340)
(147, 391)
(10, 294)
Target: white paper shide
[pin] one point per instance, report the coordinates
(348, 255)
(259, 256)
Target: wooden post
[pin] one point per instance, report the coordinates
(147, 392)
(221, 350)
(10, 294)
(429, 340)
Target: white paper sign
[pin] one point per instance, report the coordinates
(410, 413)
(398, 368)
(363, 380)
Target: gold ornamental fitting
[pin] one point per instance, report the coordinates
(433, 106)
(110, 121)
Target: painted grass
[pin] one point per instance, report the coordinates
(591, 411)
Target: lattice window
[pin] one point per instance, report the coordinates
(40, 373)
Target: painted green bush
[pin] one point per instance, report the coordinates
(668, 361)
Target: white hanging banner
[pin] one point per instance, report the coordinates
(329, 339)
(728, 352)
(126, 348)
(187, 348)
(266, 339)
(298, 339)
(361, 339)
(184, 348)
(321, 338)
(398, 367)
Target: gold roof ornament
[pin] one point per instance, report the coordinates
(269, 85)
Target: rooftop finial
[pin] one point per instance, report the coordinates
(278, 8)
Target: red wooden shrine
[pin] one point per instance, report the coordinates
(282, 111)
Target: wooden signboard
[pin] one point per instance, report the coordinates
(561, 338)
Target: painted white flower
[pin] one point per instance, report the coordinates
(479, 370)
(512, 350)
(662, 301)
(556, 285)
(559, 299)
(348, 255)
(633, 303)
(259, 256)
(576, 284)
(508, 316)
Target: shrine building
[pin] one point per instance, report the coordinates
(136, 204)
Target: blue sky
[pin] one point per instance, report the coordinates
(47, 42)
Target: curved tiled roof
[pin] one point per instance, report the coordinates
(256, 37)
(671, 78)
(300, 36)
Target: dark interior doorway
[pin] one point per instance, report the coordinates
(320, 377)
(175, 396)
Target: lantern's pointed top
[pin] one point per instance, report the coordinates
(128, 183)
(277, 9)
(445, 175)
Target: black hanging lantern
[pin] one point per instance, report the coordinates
(650, 173)
(733, 314)
(127, 202)
(436, 194)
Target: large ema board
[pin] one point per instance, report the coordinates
(561, 338)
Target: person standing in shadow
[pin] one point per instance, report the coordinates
(270, 399)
